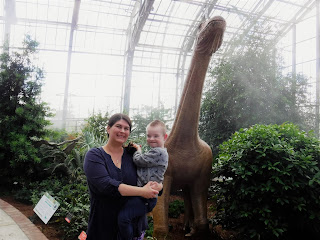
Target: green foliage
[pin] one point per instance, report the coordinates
(61, 159)
(96, 125)
(22, 115)
(73, 198)
(149, 231)
(90, 140)
(249, 88)
(142, 119)
(176, 207)
(23, 195)
(269, 183)
(56, 135)
(52, 185)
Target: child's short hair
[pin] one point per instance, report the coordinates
(157, 122)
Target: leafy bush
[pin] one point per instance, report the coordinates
(176, 207)
(73, 198)
(57, 135)
(96, 124)
(149, 231)
(90, 140)
(61, 159)
(249, 88)
(268, 183)
(22, 114)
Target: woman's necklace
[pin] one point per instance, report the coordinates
(115, 157)
(117, 161)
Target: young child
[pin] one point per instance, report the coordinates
(151, 166)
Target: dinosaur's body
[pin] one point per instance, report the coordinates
(190, 158)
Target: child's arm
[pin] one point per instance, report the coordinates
(136, 146)
(152, 158)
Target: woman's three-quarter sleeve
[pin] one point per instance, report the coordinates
(102, 179)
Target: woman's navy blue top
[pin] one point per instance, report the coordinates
(103, 179)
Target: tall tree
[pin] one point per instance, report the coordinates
(22, 114)
(249, 88)
(144, 116)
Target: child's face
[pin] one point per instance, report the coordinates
(155, 136)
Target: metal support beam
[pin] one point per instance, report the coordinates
(188, 42)
(294, 62)
(296, 18)
(252, 22)
(317, 67)
(74, 23)
(134, 30)
(10, 18)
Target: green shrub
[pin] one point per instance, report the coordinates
(74, 200)
(149, 231)
(22, 113)
(176, 207)
(96, 124)
(73, 197)
(268, 183)
(57, 135)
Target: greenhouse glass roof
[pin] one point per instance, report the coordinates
(111, 55)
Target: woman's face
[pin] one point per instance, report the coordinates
(119, 131)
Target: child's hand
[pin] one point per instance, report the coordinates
(149, 191)
(156, 186)
(136, 146)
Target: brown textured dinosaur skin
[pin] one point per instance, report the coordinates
(190, 158)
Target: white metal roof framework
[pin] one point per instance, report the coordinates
(102, 55)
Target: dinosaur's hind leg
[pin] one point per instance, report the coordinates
(188, 212)
(198, 195)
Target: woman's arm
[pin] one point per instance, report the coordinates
(98, 177)
(146, 191)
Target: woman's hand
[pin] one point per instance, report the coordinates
(149, 191)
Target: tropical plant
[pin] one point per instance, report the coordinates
(73, 198)
(90, 140)
(143, 118)
(176, 207)
(22, 114)
(249, 88)
(268, 183)
(96, 125)
(60, 159)
(74, 201)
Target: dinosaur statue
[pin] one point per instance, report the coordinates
(190, 158)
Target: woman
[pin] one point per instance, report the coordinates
(112, 178)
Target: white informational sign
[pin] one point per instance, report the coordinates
(46, 207)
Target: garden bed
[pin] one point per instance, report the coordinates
(53, 232)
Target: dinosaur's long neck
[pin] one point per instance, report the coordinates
(185, 126)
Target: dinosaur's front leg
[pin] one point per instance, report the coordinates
(160, 212)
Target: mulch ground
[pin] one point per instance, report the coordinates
(52, 231)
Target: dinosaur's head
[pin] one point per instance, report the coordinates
(210, 35)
